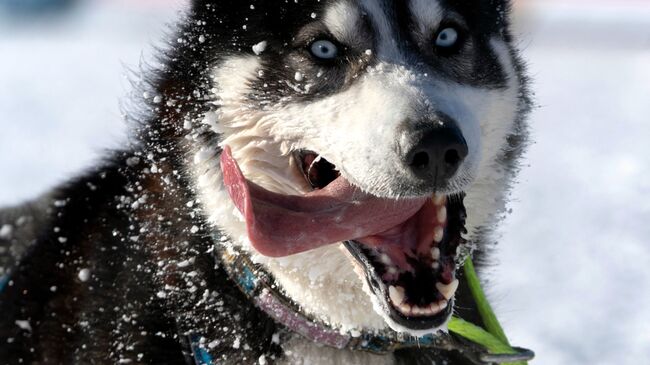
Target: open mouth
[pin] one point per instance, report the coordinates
(415, 278)
(406, 249)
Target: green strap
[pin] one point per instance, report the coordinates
(493, 338)
(479, 336)
(485, 310)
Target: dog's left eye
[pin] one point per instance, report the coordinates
(324, 49)
(447, 38)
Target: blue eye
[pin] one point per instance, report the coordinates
(324, 49)
(447, 38)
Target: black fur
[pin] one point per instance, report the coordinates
(131, 225)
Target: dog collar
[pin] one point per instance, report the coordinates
(479, 346)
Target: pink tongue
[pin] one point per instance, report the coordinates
(281, 225)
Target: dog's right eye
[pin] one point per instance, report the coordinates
(324, 49)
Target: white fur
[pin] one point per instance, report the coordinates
(387, 47)
(343, 19)
(486, 195)
(428, 15)
(360, 121)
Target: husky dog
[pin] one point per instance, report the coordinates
(303, 181)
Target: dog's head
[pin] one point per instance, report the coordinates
(351, 130)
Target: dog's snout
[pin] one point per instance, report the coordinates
(435, 152)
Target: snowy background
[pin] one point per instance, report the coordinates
(572, 279)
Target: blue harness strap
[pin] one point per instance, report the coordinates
(4, 280)
(199, 352)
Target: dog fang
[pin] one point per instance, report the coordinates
(448, 290)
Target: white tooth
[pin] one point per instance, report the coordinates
(438, 199)
(438, 234)
(406, 309)
(435, 265)
(385, 259)
(426, 311)
(435, 253)
(442, 214)
(415, 310)
(396, 294)
(443, 305)
(392, 270)
(448, 290)
(438, 307)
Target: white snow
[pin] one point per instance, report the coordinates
(61, 83)
(5, 231)
(84, 275)
(24, 325)
(132, 161)
(571, 273)
(260, 47)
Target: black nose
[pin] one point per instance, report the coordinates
(437, 152)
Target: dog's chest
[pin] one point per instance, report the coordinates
(299, 351)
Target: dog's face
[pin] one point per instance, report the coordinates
(350, 131)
